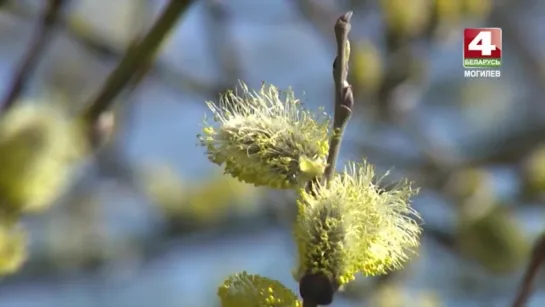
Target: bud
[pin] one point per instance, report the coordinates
(102, 130)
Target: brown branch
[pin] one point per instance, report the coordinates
(344, 99)
(175, 78)
(137, 55)
(317, 288)
(40, 40)
(525, 288)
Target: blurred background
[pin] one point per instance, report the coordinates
(150, 222)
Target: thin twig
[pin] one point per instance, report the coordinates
(525, 288)
(135, 56)
(40, 40)
(318, 289)
(344, 99)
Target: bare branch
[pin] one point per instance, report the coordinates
(139, 54)
(344, 98)
(40, 40)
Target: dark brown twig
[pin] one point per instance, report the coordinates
(40, 40)
(307, 303)
(525, 288)
(137, 55)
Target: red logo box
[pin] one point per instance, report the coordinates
(482, 47)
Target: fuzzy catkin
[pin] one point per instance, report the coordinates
(248, 290)
(351, 226)
(267, 138)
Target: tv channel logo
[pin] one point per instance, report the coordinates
(482, 48)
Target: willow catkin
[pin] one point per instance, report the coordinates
(38, 149)
(248, 290)
(351, 226)
(13, 248)
(266, 138)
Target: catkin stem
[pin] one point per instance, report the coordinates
(344, 99)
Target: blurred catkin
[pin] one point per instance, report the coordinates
(533, 170)
(366, 69)
(12, 248)
(405, 19)
(164, 187)
(486, 232)
(204, 202)
(218, 197)
(39, 146)
(495, 240)
(478, 9)
(449, 11)
(393, 295)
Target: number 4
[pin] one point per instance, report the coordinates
(483, 43)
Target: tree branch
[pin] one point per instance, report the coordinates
(344, 99)
(40, 40)
(525, 288)
(137, 55)
(172, 77)
(319, 289)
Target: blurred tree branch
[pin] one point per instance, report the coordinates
(135, 57)
(525, 289)
(39, 42)
(164, 71)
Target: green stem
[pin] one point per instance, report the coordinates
(136, 55)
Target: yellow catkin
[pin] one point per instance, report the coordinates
(266, 138)
(247, 290)
(352, 226)
(38, 147)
